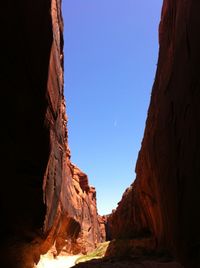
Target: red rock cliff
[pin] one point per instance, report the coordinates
(164, 199)
(43, 197)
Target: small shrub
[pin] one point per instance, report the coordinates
(98, 253)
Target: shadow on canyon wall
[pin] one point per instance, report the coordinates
(44, 198)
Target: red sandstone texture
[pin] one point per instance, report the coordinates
(71, 219)
(163, 202)
(80, 227)
(44, 199)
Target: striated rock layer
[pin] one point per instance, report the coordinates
(44, 199)
(163, 202)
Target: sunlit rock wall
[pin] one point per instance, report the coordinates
(164, 200)
(79, 213)
(44, 199)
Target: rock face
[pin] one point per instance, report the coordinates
(44, 199)
(163, 202)
(78, 215)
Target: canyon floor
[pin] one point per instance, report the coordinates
(59, 262)
(69, 261)
(129, 263)
(98, 258)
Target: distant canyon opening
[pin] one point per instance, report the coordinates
(111, 53)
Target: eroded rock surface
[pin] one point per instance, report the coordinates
(79, 213)
(44, 199)
(163, 202)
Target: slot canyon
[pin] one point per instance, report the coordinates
(47, 204)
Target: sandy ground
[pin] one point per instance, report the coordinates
(60, 262)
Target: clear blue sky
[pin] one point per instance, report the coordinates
(111, 51)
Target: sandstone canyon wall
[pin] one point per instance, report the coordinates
(164, 200)
(44, 198)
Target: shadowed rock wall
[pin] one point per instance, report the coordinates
(163, 202)
(44, 199)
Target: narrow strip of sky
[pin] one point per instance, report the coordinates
(111, 50)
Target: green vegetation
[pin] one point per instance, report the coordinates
(98, 253)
